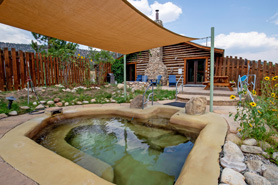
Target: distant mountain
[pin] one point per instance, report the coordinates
(28, 48)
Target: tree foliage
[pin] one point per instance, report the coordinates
(118, 70)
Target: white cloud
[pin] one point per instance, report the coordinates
(274, 19)
(14, 35)
(168, 12)
(250, 45)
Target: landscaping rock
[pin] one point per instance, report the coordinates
(31, 96)
(113, 101)
(137, 102)
(265, 154)
(275, 155)
(13, 113)
(86, 102)
(93, 100)
(50, 103)
(232, 177)
(3, 116)
(251, 149)
(67, 103)
(233, 138)
(42, 102)
(233, 157)
(196, 106)
(255, 166)
(40, 106)
(53, 110)
(59, 104)
(25, 107)
(43, 90)
(264, 145)
(79, 103)
(271, 174)
(35, 103)
(56, 100)
(73, 91)
(250, 142)
(108, 85)
(254, 179)
(120, 86)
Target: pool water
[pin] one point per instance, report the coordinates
(138, 154)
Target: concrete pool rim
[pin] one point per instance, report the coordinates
(46, 167)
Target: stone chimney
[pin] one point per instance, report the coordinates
(156, 66)
(157, 18)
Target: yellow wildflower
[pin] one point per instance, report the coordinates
(250, 125)
(254, 92)
(239, 130)
(276, 85)
(259, 112)
(79, 55)
(253, 104)
(266, 78)
(271, 102)
(232, 97)
(244, 92)
(274, 78)
(274, 110)
(273, 95)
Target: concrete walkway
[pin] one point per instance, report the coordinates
(10, 176)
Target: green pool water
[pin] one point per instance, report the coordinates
(138, 154)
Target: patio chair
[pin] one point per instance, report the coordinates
(158, 78)
(172, 80)
(145, 78)
(139, 78)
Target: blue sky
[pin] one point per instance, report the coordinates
(244, 28)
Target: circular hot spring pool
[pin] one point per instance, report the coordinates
(123, 151)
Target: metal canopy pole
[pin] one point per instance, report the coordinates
(125, 76)
(211, 70)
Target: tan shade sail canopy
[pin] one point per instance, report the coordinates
(113, 25)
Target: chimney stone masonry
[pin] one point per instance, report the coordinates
(156, 66)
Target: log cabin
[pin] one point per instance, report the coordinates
(190, 58)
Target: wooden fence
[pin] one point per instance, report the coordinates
(45, 71)
(101, 71)
(233, 67)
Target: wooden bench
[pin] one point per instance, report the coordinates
(221, 81)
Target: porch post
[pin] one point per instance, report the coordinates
(125, 76)
(211, 70)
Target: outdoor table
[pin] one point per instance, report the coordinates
(222, 81)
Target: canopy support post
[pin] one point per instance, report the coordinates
(125, 76)
(211, 70)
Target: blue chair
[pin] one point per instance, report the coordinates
(139, 78)
(158, 78)
(172, 80)
(144, 78)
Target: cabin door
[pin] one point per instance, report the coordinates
(130, 75)
(195, 73)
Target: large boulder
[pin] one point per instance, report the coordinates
(137, 102)
(196, 106)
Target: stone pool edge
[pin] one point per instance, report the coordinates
(201, 168)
